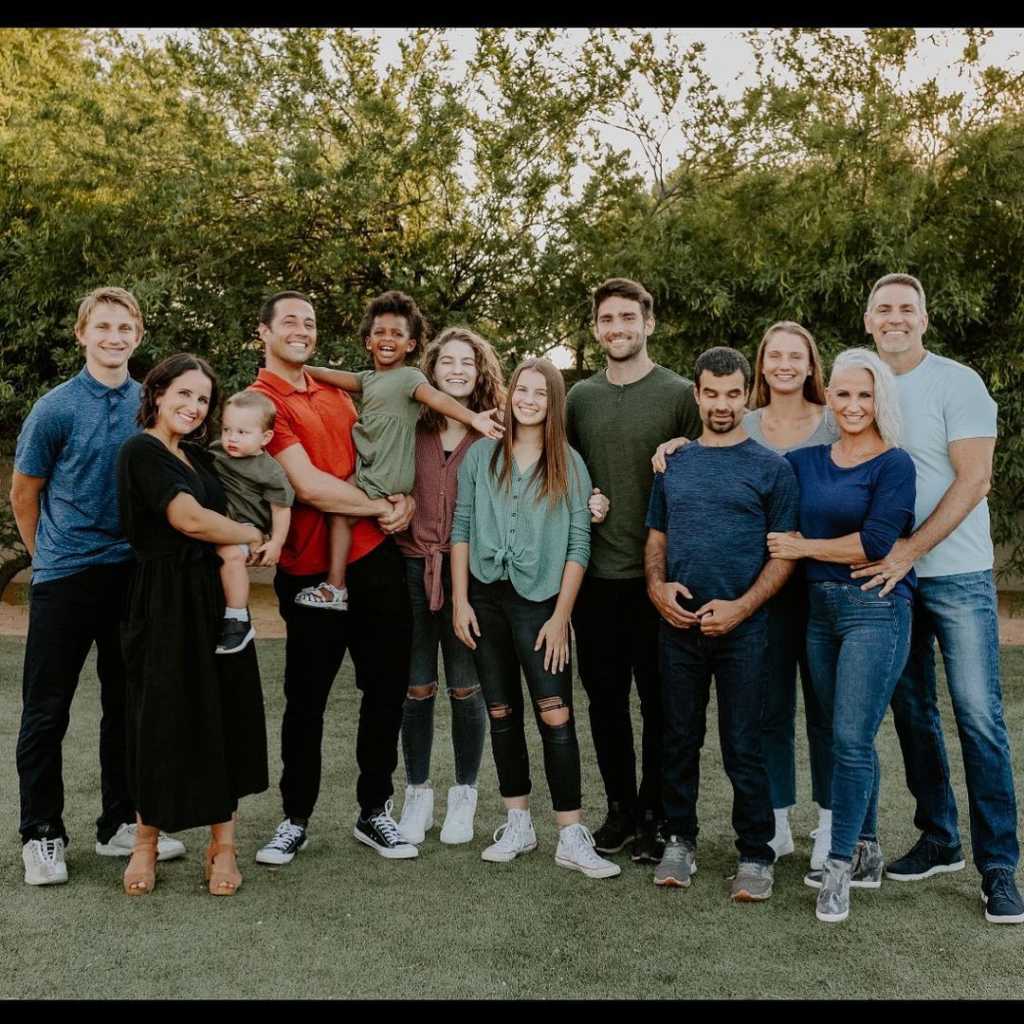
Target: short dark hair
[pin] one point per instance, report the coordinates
(626, 289)
(255, 400)
(722, 361)
(267, 309)
(160, 378)
(398, 304)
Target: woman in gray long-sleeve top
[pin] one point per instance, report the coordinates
(520, 545)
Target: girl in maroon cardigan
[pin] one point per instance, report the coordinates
(463, 365)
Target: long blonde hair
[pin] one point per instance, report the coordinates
(814, 387)
(551, 470)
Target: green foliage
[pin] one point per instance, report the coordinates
(224, 164)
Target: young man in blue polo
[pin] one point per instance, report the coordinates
(65, 504)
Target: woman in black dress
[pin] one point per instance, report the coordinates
(197, 739)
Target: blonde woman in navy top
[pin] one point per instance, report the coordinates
(856, 499)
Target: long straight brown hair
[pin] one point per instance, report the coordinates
(814, 386)
(551, 470)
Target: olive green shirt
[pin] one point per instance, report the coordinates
(385, 434)
(616, 428)
(252, 483)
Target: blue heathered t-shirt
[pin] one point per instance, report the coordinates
(717, 506)
(72, 437)
(875, 499)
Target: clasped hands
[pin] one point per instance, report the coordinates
(715, 618)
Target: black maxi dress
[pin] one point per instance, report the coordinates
(197, 737)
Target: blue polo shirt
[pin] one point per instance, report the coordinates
(71, 437)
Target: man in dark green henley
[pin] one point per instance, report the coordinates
(616, 419)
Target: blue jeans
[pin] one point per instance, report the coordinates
(736, 660)
(787, 652)
(959, 610)
(857, 645)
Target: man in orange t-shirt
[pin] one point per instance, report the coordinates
(313, 442)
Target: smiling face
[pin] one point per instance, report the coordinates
(242, 432)
(109, 336)
(620, 328)
(291, 335)
(530, 398)
(185, 404)
(721, 401)
(389, 341)
(895, 320)
(851, 397)
(786, 362)
(455, 371)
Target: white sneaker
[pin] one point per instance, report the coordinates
(576, 850)
(121, 842)
(417, 813)
(782, 841)
(822, 845)
(458, 822)
(516, 836)
(44, 862)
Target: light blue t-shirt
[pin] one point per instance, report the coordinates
(943, 401)
(72, 437)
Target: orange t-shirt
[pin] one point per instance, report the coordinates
(320, 419)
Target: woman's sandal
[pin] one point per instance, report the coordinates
(140, 875)
(222, 881)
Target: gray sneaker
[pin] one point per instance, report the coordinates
(834, 894)
(865, 870)
(678, 863)
(752, 882)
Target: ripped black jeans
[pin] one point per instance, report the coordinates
(509, 625)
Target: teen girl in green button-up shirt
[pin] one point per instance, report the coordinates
(520, 545)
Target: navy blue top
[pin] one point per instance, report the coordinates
(71, 437)
(875, 499)
(716, 506)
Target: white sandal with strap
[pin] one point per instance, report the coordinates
(313, 597)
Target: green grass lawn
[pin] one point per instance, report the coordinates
(341, 921)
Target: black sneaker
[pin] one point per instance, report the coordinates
(234, 636)
(926, 858)
(649, 844)
(379, 830)
(617, 830)
(289, 838)
(1001, 897)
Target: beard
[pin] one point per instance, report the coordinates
(632, 348)
(722, 426)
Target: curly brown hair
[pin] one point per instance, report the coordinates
(489, 390)
(162, 376)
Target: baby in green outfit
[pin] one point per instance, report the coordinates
(385, 434)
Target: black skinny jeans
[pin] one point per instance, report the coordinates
(66, 616)
(378, 631)
(509, 625)
(617, 641)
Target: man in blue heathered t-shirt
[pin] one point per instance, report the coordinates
(64, 497)
(709, 575)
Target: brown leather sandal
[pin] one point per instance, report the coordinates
(140, 875)
(222, 881)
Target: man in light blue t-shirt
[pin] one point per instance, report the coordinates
(949, 429)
